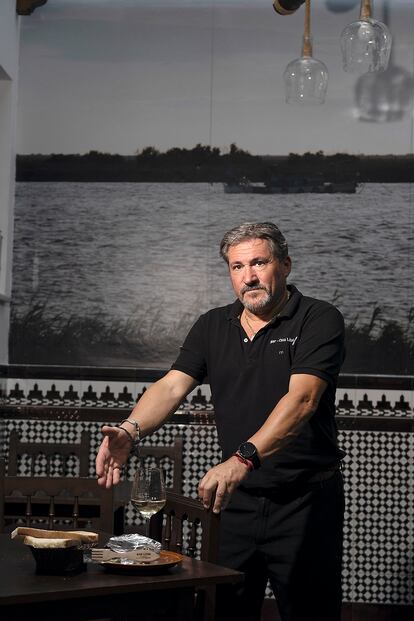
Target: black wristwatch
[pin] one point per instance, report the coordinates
(247, 450)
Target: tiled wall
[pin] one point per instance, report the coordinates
(378, 470)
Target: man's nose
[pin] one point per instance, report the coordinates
(250, 275)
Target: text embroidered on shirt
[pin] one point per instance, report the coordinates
(286, 339)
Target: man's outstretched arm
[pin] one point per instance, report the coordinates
(152, 410)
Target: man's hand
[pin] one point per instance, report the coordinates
(112, 455)
(220, 482)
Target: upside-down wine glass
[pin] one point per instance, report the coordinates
(148, 493)
(366, 43)
(306, 79)
(387, 95)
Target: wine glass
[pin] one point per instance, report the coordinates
(148, 493)
(366, 43)
(306, 79)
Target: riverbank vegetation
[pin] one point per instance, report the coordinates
(211, 165)
(38, 337)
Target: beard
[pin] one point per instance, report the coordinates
(259, 305)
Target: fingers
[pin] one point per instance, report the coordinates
(112, 454)
(221, 498)
(111, 475)
(213, 492)
(219, 483)
(116, 474)
(101, 458)
(102, 480)
(109, 478)
(108, 468)
(206, 491)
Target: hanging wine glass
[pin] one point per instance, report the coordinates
(306, 79)
(385, 96)
(366, 43)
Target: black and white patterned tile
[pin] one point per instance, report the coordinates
(378, 469)
(112, 394)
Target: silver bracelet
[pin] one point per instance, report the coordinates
(135, 424)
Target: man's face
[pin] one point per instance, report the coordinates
(258, 278)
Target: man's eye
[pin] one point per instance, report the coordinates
(236, 267)
(260, 263)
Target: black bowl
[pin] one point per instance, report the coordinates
(58, 561)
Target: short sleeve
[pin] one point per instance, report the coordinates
(320, 349)
(192, 356)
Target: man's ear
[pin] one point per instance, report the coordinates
(287, 266)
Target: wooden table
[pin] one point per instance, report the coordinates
(99, 594)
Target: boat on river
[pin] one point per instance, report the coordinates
(291, 185)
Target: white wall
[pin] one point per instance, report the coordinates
(9, 55)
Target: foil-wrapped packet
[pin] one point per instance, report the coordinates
(149, 548)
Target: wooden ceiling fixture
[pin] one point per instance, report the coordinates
(287, 7)
(26, 7)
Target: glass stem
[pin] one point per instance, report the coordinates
(366, 10)
(307, 38)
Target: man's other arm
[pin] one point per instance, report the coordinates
(281, 426)
(293, 410)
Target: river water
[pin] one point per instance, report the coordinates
(125, 250)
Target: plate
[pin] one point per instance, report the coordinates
(166, 560)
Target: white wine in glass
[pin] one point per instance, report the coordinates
(148, 493)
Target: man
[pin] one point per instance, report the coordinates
(272, 359)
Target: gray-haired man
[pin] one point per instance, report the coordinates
(272, 359)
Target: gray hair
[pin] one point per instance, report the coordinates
(255, 230)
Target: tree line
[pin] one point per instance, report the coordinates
(204, 163)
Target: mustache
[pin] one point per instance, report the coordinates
(247, 288)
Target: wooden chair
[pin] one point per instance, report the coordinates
(55, 503)
(53, 458)
(184, 526)
(167, 458)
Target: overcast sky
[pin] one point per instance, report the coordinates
(119, 76)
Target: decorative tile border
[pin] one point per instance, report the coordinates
(118, 394)
(89, 393)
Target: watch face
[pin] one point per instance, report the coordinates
(247, 449)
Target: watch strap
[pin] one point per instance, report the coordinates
(244, 461)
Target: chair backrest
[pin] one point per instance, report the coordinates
(47, 458)
(55, 503)
(170, 459)
(186, 527)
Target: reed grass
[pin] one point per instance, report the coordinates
(37, 337)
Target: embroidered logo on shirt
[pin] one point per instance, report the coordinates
(286, 339)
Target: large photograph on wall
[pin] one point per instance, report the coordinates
(147, 130)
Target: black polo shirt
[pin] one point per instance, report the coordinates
(248, 378)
